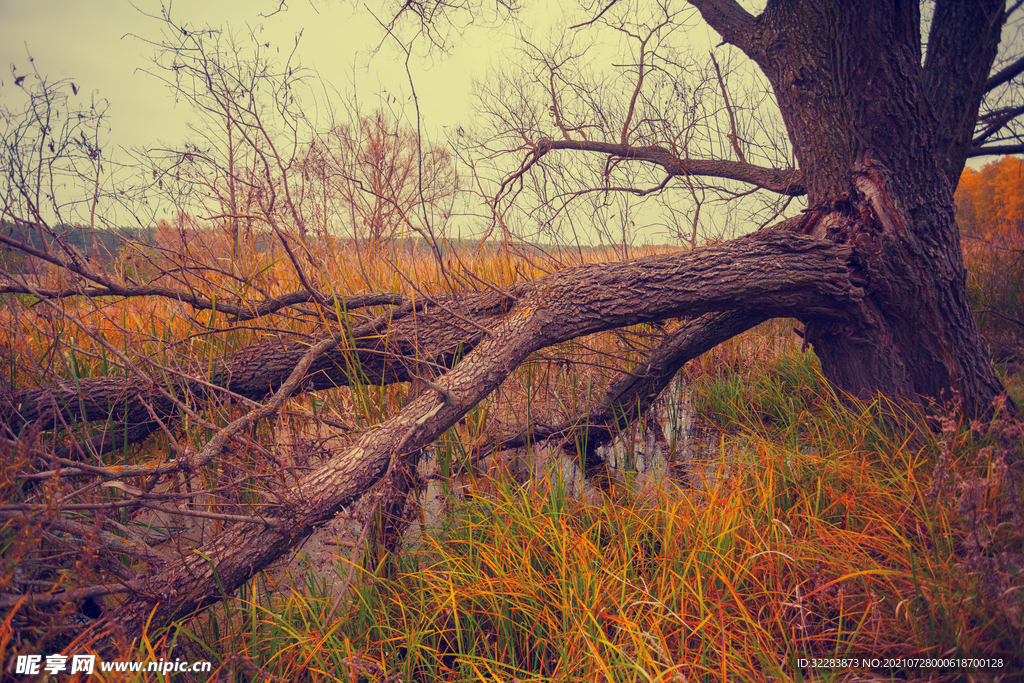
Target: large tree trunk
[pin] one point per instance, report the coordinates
(914, 335)
(881, 140)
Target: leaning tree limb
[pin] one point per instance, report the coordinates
(381, 353)
(376, 353)
(239, 310)
(632, 395)
(785, 181)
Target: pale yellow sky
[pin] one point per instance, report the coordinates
(100, 45)
(92, 43)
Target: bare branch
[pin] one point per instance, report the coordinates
(249, 310)
(1005, 75)
(732, 22)
(783, 181)
(733, 137)
(599, 15)
(996, 150)
(995, 121)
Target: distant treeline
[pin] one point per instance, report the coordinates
(990, 201)
(96, 244)
(105, 244)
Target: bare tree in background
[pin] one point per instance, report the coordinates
(880, 128)
(257, 160)
(659, 98)
(385, 181)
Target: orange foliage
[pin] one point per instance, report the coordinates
(990, 202)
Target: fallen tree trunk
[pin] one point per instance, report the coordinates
(379, 352)
(432, 334)
(774, 275)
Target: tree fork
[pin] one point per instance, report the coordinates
(881, 131)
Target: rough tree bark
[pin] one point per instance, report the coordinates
(881, 139)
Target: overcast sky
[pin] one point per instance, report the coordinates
(94, 44)
(101, 46)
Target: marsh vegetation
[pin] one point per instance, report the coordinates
(461, 359)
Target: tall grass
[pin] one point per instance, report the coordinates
(834, 534)
(830, 529)
(995, 283)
